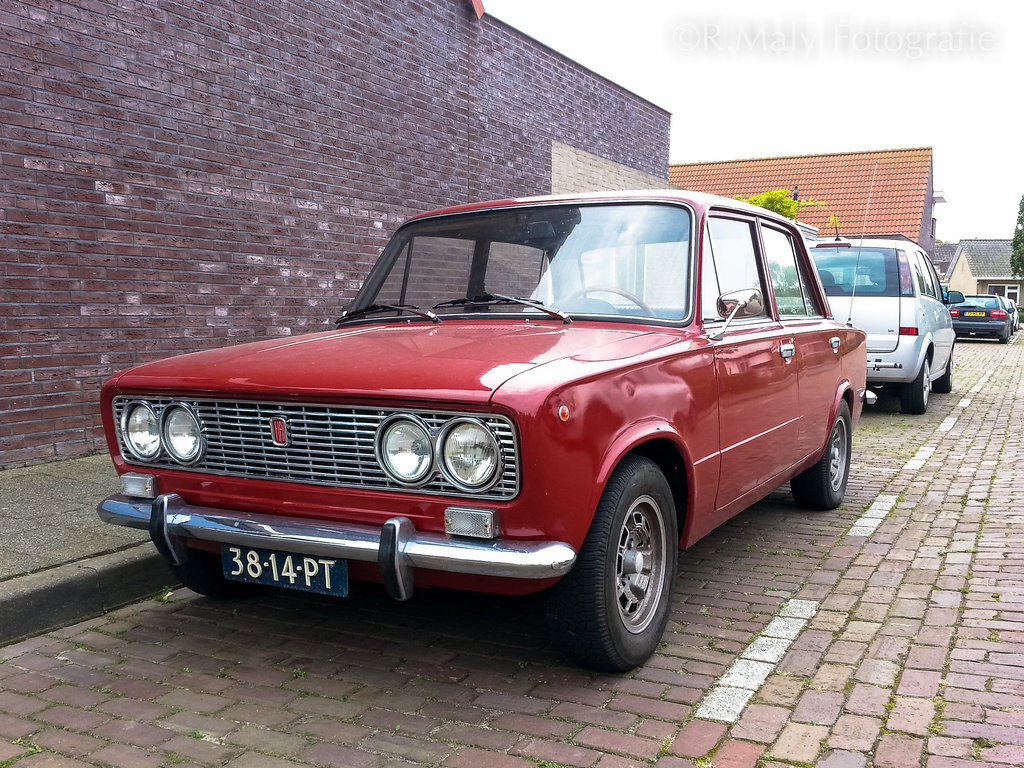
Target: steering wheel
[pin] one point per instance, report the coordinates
(582, 293)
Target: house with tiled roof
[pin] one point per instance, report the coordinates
(942, 257)
(983, 266)
(883, 192)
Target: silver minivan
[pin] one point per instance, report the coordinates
(889, 289)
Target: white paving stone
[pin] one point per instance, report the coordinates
(724, 704)
(747, 674)
(767, 649)
(799, 609)
(783, 627)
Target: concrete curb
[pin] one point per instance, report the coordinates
(66, 594)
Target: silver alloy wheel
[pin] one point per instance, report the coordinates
(838, 446)
(927, 376)
(640, 564)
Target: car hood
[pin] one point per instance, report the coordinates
(450, 361)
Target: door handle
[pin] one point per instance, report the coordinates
(835, 341)
(787, 351)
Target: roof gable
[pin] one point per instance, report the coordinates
(868, 192)
(988, 259)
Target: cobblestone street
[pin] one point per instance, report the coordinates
(888, 633)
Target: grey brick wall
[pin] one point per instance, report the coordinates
(193, 173)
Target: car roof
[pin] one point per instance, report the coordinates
(865, 242)
(700, 200)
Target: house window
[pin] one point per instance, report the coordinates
(1009, 291)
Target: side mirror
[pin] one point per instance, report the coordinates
(954, 297)
(747, 302)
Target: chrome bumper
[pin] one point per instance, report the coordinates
(397, 546)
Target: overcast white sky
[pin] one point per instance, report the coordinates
(744, 79)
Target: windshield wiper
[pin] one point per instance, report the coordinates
(498, 298)
(347, 315)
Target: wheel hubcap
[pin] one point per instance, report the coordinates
(640, 564)
(837, 454)
(927, 381)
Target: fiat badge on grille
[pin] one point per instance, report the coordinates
(279, 430)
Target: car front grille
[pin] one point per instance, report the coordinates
(328, 445)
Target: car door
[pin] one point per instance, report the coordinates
(933, 314)
(755, 366)
(816, 340)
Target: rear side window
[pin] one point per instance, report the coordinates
(860, 271)
(792, 289)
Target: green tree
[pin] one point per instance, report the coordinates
(780, 201)
(1017, 244)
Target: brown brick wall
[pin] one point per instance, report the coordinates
(192, 173)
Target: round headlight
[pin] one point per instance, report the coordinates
(404, 450)
(469, 454)
(182, 436)
(141, 430)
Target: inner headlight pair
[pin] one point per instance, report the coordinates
(465, 450)
(176, 430)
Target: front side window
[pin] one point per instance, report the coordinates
(731, 245)
(617, 260)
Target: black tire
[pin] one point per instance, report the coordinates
(944, 384)
(1005, 339)
(914, 394)
(824, 485)
(202, 573)
(609, 612)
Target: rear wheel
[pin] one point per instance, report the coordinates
(824, 485)
(609, 612)
(1005, 339)
(914, 395)
(944, 383)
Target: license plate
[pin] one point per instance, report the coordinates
(309, 573)
(974, 314)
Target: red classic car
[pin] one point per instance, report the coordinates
(541, 394)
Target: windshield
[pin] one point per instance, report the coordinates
(871, 271)
(627, 260)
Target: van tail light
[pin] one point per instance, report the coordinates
(906, 279)
(954, 312)
(998, 313)
(908, 330)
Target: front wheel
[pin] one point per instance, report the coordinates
(609, 612)
(944, 384)
(824, 485)
(202, 572)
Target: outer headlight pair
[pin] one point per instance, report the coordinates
(176, 431)
(465, 450)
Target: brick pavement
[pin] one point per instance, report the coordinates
(888, 633)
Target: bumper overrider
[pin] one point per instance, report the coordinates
(397, 546)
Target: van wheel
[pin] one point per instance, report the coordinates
(609, 612)
(823, 486)
(914, 395)
(944, 384)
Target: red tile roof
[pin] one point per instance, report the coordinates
(882, 191)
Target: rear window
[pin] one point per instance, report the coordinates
(860, 271)
(985, 302)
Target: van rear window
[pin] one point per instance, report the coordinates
(858, 271)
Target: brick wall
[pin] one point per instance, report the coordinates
(573, 170)
(192, 173)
